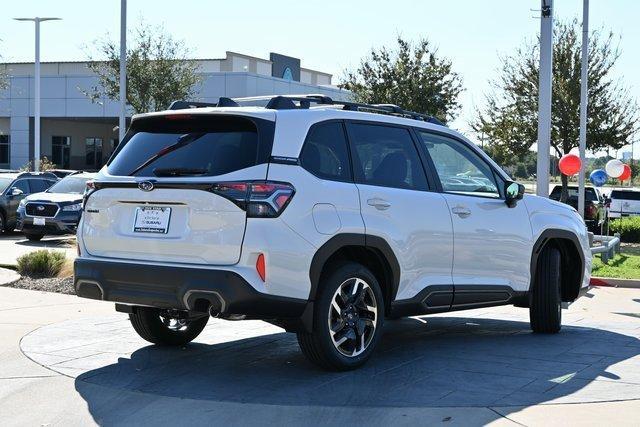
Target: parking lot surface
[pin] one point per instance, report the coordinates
(473, 367)
(13, 245)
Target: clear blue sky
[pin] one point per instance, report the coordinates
(328, 35)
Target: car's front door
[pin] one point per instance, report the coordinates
(397, 206)
(492, 241)
(14, 197)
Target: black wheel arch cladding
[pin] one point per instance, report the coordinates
(378, 248)
(572, 273)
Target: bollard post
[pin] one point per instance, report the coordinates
(619, 240)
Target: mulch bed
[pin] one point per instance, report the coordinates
(52, 284)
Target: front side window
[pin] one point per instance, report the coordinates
(22, 185)
(4, 149)
(460, 169)
(325, 152)
(386, 156)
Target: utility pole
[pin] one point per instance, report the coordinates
(122, 122)
(583, 103)
(544, 97)
(36, 84)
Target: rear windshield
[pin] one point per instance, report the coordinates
(182, 146)
(590, 193)
(626, 195)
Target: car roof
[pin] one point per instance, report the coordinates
(10, 175)
(87, 175)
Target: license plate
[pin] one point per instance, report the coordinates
(38, 221)
(152, 219)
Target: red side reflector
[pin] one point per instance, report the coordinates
(260, 267)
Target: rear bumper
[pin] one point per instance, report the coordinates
(179, 288)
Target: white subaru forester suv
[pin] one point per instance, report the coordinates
(320, 216)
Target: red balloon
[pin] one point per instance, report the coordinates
(569, 164)
(626, 174)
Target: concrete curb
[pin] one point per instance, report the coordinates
(615, 283)
(8, 277)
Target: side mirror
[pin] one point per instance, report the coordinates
(512, 193)
(15, 191)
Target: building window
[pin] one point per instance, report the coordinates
(4, 149)
(61, 151)
(93, 151)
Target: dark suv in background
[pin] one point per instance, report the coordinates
(595, 206)
(16, 186)
(54, 211)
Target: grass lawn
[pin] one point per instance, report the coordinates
(625, 265)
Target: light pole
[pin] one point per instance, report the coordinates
(544, 98)
(583, 103)
(36, 109)
(122, 123)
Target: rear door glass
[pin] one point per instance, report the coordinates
(191, 147)
(626, 195)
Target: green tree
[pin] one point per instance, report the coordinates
(510, 115)
(412, 76)
(158, 71)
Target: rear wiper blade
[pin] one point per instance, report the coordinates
(163, 172)
(185, 139)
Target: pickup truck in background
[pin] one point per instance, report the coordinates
(595, 206)
(624, 203)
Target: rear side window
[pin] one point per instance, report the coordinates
(181, 146)
(325, 153)
(386, 156)
(39, 185)
(625, 195)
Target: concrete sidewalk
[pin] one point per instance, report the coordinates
(31, 394)
(8, 276)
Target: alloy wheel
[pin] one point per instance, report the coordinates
(353, 317)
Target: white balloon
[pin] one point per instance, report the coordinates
(614, 168)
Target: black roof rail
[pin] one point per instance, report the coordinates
(293, 102)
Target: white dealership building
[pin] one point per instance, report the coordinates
(80, 133)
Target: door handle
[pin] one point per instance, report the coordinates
(379, 204)
(461, 211)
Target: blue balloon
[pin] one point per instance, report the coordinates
(598, 177)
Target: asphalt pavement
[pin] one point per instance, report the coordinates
(68, 361)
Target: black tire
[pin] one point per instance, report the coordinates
(318, 346)
(34, 237)
(545, 310)
(148, 324)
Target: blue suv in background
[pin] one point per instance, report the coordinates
(55, 211)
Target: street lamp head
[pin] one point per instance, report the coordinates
(37, 19)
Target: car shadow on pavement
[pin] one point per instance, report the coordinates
(437, 362)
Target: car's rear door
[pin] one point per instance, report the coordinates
(492, 242)
(398, 206)
(173, 192)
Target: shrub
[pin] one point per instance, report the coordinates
(41, 263)
(629, 228)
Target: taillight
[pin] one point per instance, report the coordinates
(260, 199)
(591, 210)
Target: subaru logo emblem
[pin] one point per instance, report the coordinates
(40, 208)
(145, 185)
